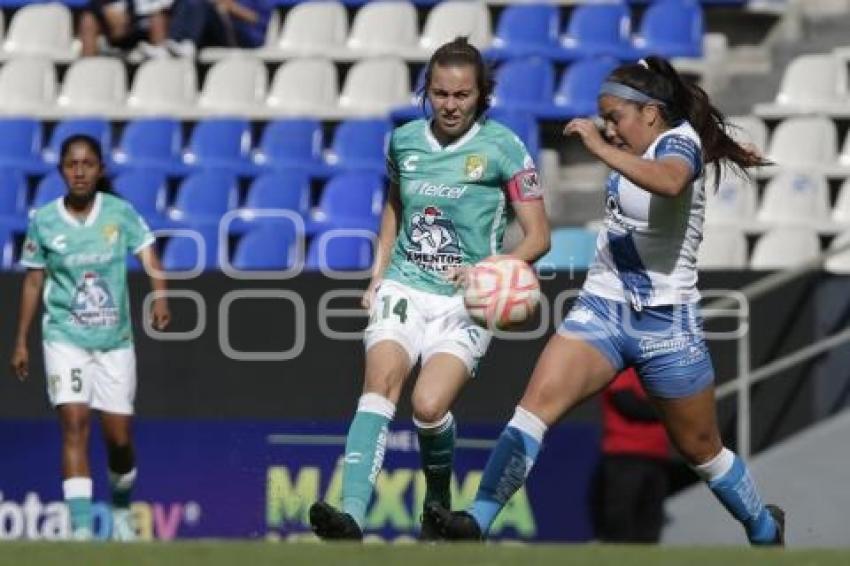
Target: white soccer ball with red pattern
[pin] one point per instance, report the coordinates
(501, 292)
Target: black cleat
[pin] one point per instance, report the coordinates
(330, 524)
(429, 532)
(457, 525)
(779, 518)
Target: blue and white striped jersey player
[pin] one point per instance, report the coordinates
(638, 306)
(454, 181)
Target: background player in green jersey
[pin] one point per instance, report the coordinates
(79, 244)
(455, 180)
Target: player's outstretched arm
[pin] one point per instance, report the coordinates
(386, 238)
(160, 313)
(535, 242)
(30, 294)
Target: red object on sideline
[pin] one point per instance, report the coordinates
(623, 436)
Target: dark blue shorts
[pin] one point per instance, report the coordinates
(665, 344)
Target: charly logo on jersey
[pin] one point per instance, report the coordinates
(59, 242)
(93, 303)
(434, 244)
(110, 234)
(474, 166)
(408, 164)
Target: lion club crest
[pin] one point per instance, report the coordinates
(474, 166)
(110, 233)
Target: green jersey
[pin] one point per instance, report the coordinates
(85, 294)
(454, 199)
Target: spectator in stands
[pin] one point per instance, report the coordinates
(632, 475)
(137, 25)
(217, 23)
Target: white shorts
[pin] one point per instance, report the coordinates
(103, 380)
(425, 324)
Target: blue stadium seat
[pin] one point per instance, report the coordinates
(146, 191)
(286, 190)
(597, 29)
(672, 28)
(578, 90)
(359, 144)
(204, 197)
(50, 187)
(572, 248)
(219, 143)
(98, 128)
(526, 30)
(181, 253)
(7, 249)
(349, 200)
(523, 125)
(290, 143)
(153, 143)
(268, 247)
(525, 85)
(13, 195)
(342, 253)
(20, 144)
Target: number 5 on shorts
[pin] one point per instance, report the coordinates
(76, 380)
(400, 308)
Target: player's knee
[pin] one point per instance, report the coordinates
(75, 429)
(700, 447)
(428, 410)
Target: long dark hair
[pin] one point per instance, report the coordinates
(103, 184)
(684, 100)
(456, 53)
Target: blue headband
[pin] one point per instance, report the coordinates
(627, 93)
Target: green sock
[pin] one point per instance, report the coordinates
(121, 486)
(364, 453)
(436, 448)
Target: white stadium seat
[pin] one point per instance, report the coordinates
(783, 248)
(383, 28)
(41, 29)
(840, 262)
(306, 86)
(805, 141)
(452, 18)
(93, 85)
(310, 28)
(374, 86)
(27, 85)
(236, 85)
(841, 210)
(749, 130)
(722, 248)
(811, 83)
(795, 198)
(734, 201)
(163, 86)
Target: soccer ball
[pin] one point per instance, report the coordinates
(501, 292)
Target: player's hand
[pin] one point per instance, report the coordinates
(369, 294)
(458, 275)
(160, 314)
(588, 132)
(21, 362)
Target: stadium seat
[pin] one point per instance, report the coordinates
(27, 85)
(277, 190)
(672, 28)
(223, 143)
(526, 30)
(734, 201)
(150, 143)
(383, 28)
(841, 210)
(310, 28)
(235, 85)
(578, 89)
(374, 86)
(596, 29)
(452, 18)
(13, 195)
(146, 191)
(844, 156)
(795, 198)
(294, 143)
(98, 128)
(180, 253)
(811, 83)
(7, 250)
(204, 197)
(722, 248)
(525, 85)
(805, 141)
(349, 200)
(339, 253)
(359, 144)
(523, 125)
(304, 87)
(41, 29)
(748, 130)
(20, 144)
(93, 85)
(267, 247)
(839, 263)
(571, 248)
(785, 248)
(49, 188)
(163, 86)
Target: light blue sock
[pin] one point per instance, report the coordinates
(77, 494)
(364, 453)
(737, 491)
(509, 464)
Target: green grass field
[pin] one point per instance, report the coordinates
(213, 553)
